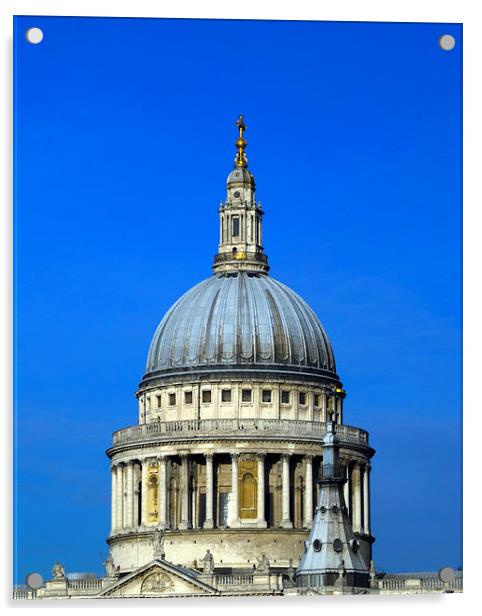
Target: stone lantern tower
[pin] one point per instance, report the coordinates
(239, 390)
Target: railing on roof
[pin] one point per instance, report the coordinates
(85, 584)
(234, 580)
(206, 428)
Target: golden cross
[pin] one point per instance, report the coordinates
(241, 160)
(241, 125)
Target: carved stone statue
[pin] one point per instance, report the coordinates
(158, 544)
(58, 571)
(208, 562)
(340, 580)
(109, 566)
(263, 564)
(290, 575)
(373, 575)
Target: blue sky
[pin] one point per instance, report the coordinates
(124, 132)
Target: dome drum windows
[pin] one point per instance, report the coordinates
(302, 398)
(206, 396)
(188, 397)
(159, 401)
(246, 395)
(225, 395)
(266, 395)
(172, 399)
(285, 396)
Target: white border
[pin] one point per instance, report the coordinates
(465, 11)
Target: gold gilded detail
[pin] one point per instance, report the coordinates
(241, 159)
(248, 489)
(153, 493)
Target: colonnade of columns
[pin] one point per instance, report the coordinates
(131, 504)
(357, 495)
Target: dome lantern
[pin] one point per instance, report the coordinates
(240, 218)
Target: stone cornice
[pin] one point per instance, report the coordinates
(217, 374)
(224, 445)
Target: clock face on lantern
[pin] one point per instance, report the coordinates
(237, 194)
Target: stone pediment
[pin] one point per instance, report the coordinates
(159, 579)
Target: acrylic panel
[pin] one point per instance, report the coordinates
(237, 287)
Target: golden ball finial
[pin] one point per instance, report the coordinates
(241, 159)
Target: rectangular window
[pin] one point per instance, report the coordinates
(188, 397)
(202, 509)
(235, 226)
(246, 395)
(285, 396)
(266, 396)
(302, 397)
(172, 399)
(226, 395)
(206, 395)
(159, 399)
(223, 508)
(317, 399)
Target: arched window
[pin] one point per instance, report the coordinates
(248, 496)
(153, 498)
(235, 229)
(299, 501)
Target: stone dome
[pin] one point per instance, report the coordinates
(240, 321)
(240, 175)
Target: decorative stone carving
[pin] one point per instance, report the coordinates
(373, 575)
(109, 566)
(340, 580)
(158, 544)
(157, 583)
(208, 562)
(290, 575)
(263, 564)
(58, 571)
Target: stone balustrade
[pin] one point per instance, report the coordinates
(85, 584)
(239, 428)
(234, 580)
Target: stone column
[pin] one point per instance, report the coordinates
(311, 405)
(209, 521)
(136, 468)
(113, 476)
(308, 504)
(144, 492)
(261, 522)
(323, 407)
(120, 496)
(366, 499)
(234, 522)
(356, 496)
(346, 486)
(184, 523)
(162, 492)
(130, 495)
(285, 498)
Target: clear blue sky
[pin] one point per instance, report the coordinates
(124, 132)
